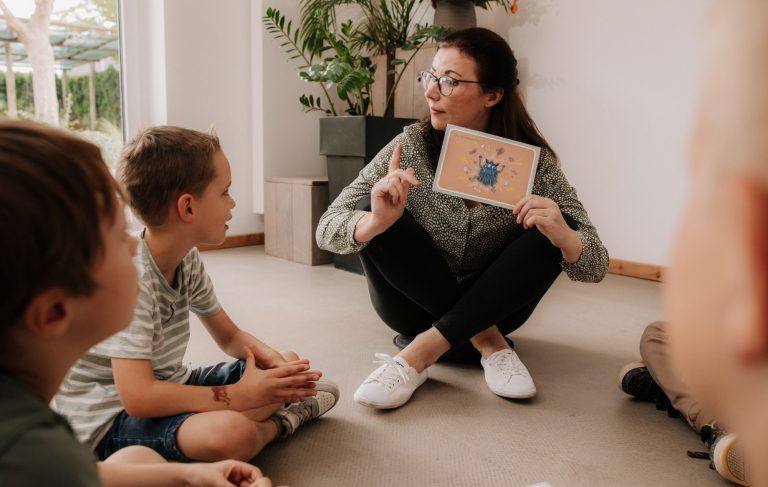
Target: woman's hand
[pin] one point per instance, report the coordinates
(544, 214)
(388, 198)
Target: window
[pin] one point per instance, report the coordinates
(68, 75)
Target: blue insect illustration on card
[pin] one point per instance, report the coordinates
(489, 171)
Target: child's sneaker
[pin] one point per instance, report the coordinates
(391, 385)
(726, 454)
(636, 381)
(294, 415)
(506, 375)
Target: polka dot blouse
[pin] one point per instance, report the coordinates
(468, 238)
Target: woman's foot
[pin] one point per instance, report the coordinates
(466, 354)
(391, 385)
(506, 375)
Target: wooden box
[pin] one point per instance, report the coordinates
(292, 208)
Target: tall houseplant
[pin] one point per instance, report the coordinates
(324, 47)
(385, 27)
(346, 69)
(336, 55)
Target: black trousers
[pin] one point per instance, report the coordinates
(412, 288)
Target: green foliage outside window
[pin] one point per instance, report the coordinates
(76, 110)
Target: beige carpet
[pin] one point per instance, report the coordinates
(579, 431)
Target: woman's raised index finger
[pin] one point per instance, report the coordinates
(394, 162)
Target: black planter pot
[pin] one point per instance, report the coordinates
(349, 143)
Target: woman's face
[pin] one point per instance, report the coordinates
(467, 105)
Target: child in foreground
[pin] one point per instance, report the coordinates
(134, 388)
(68, 282)
(718, 285)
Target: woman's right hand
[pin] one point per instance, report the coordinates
(388, 198)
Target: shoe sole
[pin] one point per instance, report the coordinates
(624, 370)
(376, 405)
(728, 463)
(527, 395)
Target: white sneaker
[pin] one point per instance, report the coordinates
(507, 376)
(294, 415)
(391, 385)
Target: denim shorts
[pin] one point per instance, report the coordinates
(159, 434)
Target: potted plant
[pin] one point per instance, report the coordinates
(460, 14)
(337, 56)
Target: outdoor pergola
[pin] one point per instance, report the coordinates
(73, 45)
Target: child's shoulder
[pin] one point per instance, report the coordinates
(192, 265)
(29, 430)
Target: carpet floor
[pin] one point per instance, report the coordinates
(580, 430)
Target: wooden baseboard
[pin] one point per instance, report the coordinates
(620, 267)
(235, 241)
(637, 269)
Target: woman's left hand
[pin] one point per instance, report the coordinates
(544, 214)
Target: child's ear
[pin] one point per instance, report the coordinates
(493, 97)
(749, 324)
(185, 207)
(48, 314)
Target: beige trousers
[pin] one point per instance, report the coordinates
(654, 348)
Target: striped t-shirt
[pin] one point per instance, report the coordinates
(159, 332)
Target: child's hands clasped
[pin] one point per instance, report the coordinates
(269, 359)
(290, 382)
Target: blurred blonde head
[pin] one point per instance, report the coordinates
(717, 295)
(732, 125)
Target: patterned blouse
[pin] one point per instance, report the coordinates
(468, 238)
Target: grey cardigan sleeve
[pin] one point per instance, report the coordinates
(551, 183)
(336, 228)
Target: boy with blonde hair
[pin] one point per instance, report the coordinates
(67, 281)
(133, 388)
(718, 284)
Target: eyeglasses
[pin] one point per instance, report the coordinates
(445, 84)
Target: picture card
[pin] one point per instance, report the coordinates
(485, 168)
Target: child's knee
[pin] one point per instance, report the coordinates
(232, 436)
(135, 455)
(654, 334)
(290, 356)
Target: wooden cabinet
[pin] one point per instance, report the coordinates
(292, 208)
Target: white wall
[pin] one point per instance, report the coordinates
(612, 86)
(200, 62)
(188, 63)
(142, 69)
(286, 141)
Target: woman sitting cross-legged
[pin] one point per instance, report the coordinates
(453, 276)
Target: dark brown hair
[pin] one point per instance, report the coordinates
(496, 69)
(162, 163)
(55, 194)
